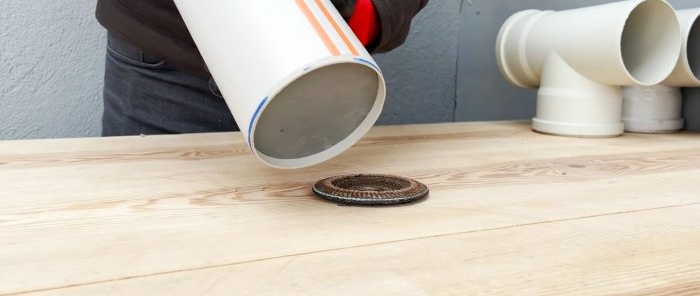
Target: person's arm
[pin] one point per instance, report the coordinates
(395, 18)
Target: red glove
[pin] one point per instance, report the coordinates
(364, 22)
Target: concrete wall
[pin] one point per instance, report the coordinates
(52, 55)
(51, 64)
(421, 74)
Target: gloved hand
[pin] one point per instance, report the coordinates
(362, 18)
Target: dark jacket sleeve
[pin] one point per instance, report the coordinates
(395, 17)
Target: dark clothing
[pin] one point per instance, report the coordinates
(145, 95)
(157, 27)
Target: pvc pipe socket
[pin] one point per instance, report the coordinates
(579, 58)
(299, 83)
(652, 109)
(658, 109)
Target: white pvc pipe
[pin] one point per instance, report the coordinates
(299, 83)
(687, 71)
(658, 109)
(579, 58)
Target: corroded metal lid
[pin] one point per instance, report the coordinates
(370, 189)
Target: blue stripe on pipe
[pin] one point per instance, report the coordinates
(369, 63)
(252, 120)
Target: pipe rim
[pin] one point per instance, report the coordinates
(504, 37)
(658, 58)
(691, 48)
(257, 142)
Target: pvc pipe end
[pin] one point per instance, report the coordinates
(691, 49)
(651, 42)
(687, 71)
(652, 109)
(318, 115)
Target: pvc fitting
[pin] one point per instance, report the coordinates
(579, 58)
(658, 109)
(299, 83)
(687, 71)
(652, 109)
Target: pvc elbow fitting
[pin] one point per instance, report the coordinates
(579, 58)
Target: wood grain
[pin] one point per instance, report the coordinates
(649, 252)
(126, 215)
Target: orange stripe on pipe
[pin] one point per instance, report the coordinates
(317, 26)
(340, 32)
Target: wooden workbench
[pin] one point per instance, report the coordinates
(511, 212)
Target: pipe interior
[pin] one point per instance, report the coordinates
(650, 42)
(693, 49)
(316, 111)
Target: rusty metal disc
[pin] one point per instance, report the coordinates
(370, 189)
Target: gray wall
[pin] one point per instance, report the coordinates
(52, 55)
(691, 109)
(421, 74)
(51, 59)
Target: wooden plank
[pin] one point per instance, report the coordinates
(94, 210)
(649, 252)
(167, 166)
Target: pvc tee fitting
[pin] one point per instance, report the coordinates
(658, 109)
(579, 58)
